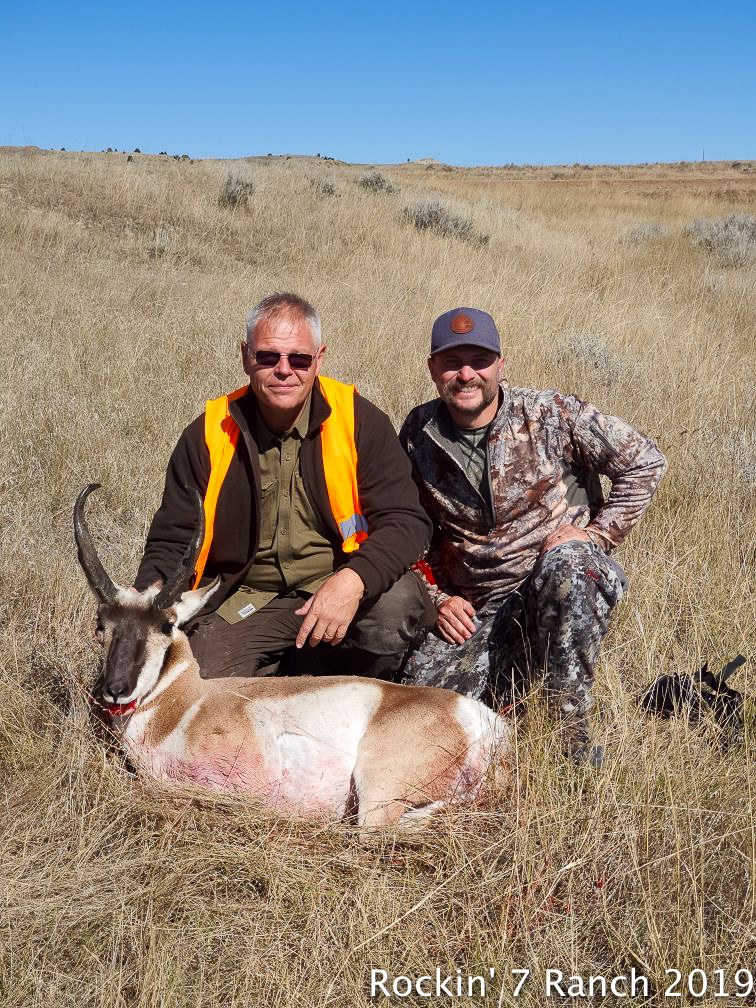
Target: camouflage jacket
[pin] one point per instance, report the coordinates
(545, 452)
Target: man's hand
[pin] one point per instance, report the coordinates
(564, 534)
(455, 620)
(328, 613)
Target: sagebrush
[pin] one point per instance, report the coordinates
(731, 239)
(375, 182)
(434, 216)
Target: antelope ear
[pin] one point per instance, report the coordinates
(191, 602)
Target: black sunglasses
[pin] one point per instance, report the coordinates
(269, 358)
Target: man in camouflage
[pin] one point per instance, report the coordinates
(520, 567)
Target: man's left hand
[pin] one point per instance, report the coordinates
(564, 534)
(328, 613)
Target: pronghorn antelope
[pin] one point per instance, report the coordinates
(335, 747)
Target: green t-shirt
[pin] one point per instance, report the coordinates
(472, 444)
(469, 445)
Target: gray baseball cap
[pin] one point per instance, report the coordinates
(465, 327)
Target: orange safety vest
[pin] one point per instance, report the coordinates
(339, 463)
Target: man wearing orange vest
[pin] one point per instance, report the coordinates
(312, 518)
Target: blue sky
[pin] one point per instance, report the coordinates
(475, 83)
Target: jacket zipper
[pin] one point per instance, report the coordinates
(489, 505)
(249, 444)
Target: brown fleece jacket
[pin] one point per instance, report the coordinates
(398, 527)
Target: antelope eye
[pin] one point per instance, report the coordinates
(167, 629)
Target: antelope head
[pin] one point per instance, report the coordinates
(135, 628)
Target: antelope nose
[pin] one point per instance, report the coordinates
(116, 688)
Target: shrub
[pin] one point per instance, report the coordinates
(649, 231)
(591, 354)
(376, 183)
(236, 192)
(435, 217)
(323, 188)
(731, 239)
(591, 349)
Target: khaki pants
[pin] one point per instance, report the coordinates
(262, 644)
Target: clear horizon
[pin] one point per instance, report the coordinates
(387, 164)
(492, 85)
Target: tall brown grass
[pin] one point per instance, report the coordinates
(123, 291)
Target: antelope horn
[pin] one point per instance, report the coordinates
(172, 588)
(99, 581)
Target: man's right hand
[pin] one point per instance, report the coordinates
(455, 620)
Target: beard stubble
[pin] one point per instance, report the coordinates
(489, 391)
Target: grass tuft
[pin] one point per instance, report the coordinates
(236, 192)
(323, 188)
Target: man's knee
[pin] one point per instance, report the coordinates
(577, 576)
(568, 558)
(389, 624)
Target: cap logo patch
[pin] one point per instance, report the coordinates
(462, 324)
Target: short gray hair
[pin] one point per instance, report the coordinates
(284, 303)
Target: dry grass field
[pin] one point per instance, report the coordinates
(123, 288)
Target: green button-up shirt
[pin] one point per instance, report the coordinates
(294, 552)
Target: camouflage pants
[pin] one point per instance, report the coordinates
(552, 626)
